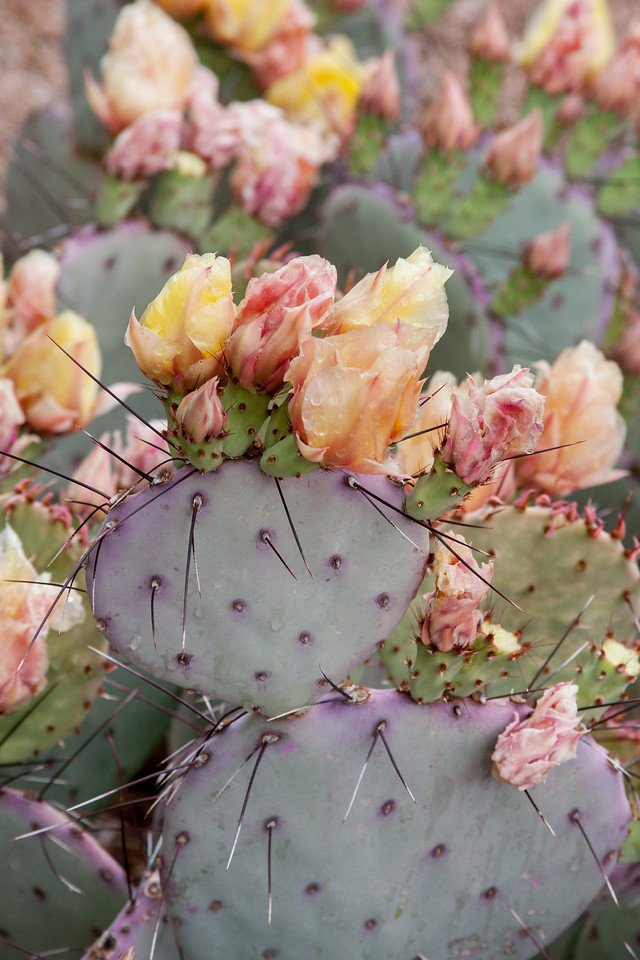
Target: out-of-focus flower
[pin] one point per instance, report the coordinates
(287, 48)
(149, 66)
(495, 420)
(56, 396)
(200, 417)
(490, 39)
(529, 749)
(30, 298)
(411, 293)
(146, 147)
(582, 390)
(279, 311)
(618, 86)
(98, 469)
(416, 455)
(11, 419)
(571, 109)
(212, 131)
(246, 25)
(182, 9)
(626, 350)
(355, 394)
(567, 43)
(452, 616)
(381, 90)
(513, 155)
(548, 255)
(143, 449)
(179, 337)
(448, 124)
(326, 90)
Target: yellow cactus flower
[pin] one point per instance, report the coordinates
(246, 25)
(618, 655)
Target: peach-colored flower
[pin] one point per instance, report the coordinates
(618, 86)
(512, 157)
(200, 417)
(11, 419)
(245, 25)
(567, 43)
(490, 39)
(30, 297)
(501, 418)
(528, 749)
(448, 124)
(288, 47)
(180, 335)
(98, 469)
(355, 394)
(212, 131)
(182, 9)
(452, 616)
(548, 255)
(381, 91)
(416, 456)
(411, 292)
(149, 66)
(146, 147)
(22, 607)
(279, 311)
(572, 108)
(582, 390)
(143, 449)
(55, 394)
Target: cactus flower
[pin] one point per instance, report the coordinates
(146, 147)
(143, 449)
(212, 130)
(288, 47)
(411, 293)
(452, 616)
(513, 155)
(501, 418)
(245, 25)
(490, 40)
(448, 124)
(200, 417)
(279, 311)
(548, 255)
(618, 86)
(416, 455)
(355, 394)
(30, 298)
(381, 91)
(98, 469)
(582, 390)
(182, 9)
(179, 338)
(528, 749)
(56, 395)
(11, 419)
(567, 43)
(149, 66)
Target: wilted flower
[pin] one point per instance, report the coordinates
(212, 130)
(288, 47)
(618, 86)
(582, 390)
(452, 616)
(448, 124)
(567, 43)
(180, 335)
(490, 40)
(529, 749)
(354, 394)
(512, 157)
(411, 293)
(54, 393)
(381, 91)
(30, 298)
(149, 66)
(146, 147)
(548, 255)
(501, 418)
(200, 417)
(279, 311)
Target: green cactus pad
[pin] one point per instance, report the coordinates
(521, 289)
(89, 27)
(472, 213)
(436, 493)
(590, 138)
(437, 185)
(116, 200)
(485, 85)
(183, 203)
(620, 193)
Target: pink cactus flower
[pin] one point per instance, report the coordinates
(548, 255)
(528, 749)
(146, 147)
(490, 39)
(143, 449)
(212, 131)
(618, 86)
(355, 394)
(381, 91)
(513, 155)
(452, 615)
(200, 417)
(571, 109)
(11, 419)
(582, 390)
(448, 124)
(287, 49)
(279, 311)
(98, 469)
(499, 419)
(30, 298)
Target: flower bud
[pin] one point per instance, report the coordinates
(499, 419)
(582, 390)
(548, 255)
(512, 157)
(200, 417)
(179, 338)
(529, 749)
(54, 393)
(30, 297)
(279, 311)
(448, 124)
(381, 91)
(490, 39)
(452, 616)
(618, 86)
(146, 147)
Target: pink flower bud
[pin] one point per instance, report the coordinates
(212, 131)
(279, 311)
(529, 749)
(200, 417)
(452, 616)
(582, 390)
(448, 124)
(490, 39)
(548, 255)
(354, 394)
(146, 147)
(501, 418)
(30, 298)
(618, 86)
(512, 157)
(381, 92)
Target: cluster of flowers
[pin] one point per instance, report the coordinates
(164, 105)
